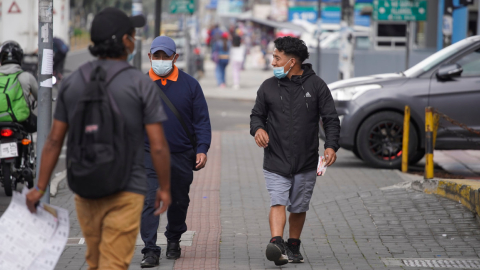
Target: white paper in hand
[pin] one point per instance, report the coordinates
(322, 166)
(31, 241)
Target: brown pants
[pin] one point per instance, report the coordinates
(110, 227)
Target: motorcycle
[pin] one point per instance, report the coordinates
(17, 157)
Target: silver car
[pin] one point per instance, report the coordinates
(371, 108)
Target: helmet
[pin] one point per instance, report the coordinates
(11, 53)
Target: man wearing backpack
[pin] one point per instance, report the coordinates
(105, 106)
(19, 89)
(189, 135)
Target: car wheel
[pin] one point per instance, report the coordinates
(419, 154)
(355, 152)
(379, 140)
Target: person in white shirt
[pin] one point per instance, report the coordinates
(237, 55)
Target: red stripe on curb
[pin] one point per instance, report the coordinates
(203, 215)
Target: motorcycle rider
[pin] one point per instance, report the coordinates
(11, 56)
(60, 50)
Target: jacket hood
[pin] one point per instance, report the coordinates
(297, 80)
(10, 68)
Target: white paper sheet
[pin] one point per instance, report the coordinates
(31, 241)
(47, 62)
(46, 83)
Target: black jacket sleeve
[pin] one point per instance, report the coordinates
(331, 123)
(258, 118)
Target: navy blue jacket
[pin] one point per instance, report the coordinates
(187, 96)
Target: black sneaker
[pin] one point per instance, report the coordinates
(276, 251)
(150, 260)
(293, 251)
(173, 250)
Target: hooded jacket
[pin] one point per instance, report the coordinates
(289, 110)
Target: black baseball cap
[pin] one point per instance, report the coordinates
(112, 23)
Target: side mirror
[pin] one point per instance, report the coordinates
(449, 71)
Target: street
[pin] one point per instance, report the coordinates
(357, 219)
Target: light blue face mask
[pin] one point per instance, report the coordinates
(132, 54)
(162, 67)
(279, 72)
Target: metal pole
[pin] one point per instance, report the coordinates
(429, 143)
(407, 47)
(45, 71)
(137, 9)
(406, 135)
(187, 44)
(478, 18)
(158, 18)
(319, 33)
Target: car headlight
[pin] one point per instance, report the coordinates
(351, 93)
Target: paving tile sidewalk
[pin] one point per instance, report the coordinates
(352, 224)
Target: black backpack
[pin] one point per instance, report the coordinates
(100, 153)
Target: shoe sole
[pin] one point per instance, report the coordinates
(149, 266)
(274, 254)
(173, 258)
(295, 261)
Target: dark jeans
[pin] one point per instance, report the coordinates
(181, 179)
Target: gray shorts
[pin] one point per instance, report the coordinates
(294, 192)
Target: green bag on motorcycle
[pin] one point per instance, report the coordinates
(13, 105)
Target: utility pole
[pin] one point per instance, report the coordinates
(137, 9)
(319, 34)
(45, 72)
(345, 60)
(158, 18)
(187, 50)
(347, 12)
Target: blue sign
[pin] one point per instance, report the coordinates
(307, 13)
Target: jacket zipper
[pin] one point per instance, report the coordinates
(291, 133)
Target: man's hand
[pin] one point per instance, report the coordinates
(33, 197)
(163, 198)
(261, 138)
(330, 156)
(201, 161)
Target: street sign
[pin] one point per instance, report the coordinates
(304, 13)
(182, 6)
(400, 10)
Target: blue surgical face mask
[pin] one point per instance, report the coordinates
(279, 72)
(162, 67)
(132, 54)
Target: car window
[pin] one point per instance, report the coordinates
(362, 43)
(436, 58)
(470, 64)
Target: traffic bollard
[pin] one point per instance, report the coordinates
(429, 127)
(406, 137)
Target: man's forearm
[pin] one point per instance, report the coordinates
(50, 153)
(161, 162)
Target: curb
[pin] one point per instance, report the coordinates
(464, 191)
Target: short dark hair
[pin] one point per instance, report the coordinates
(110, 48)
(292, 46)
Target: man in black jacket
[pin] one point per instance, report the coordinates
(285, 122)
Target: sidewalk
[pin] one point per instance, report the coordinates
(357, 218)
(459, 162)
(250, 80)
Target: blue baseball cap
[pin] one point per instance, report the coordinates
(163, 43)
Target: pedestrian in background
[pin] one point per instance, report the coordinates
(221, 56)
(110, 222)
(237, 55)
(189, 135)
(285, 122)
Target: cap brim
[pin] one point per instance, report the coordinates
(168, 51)
(138, 21)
